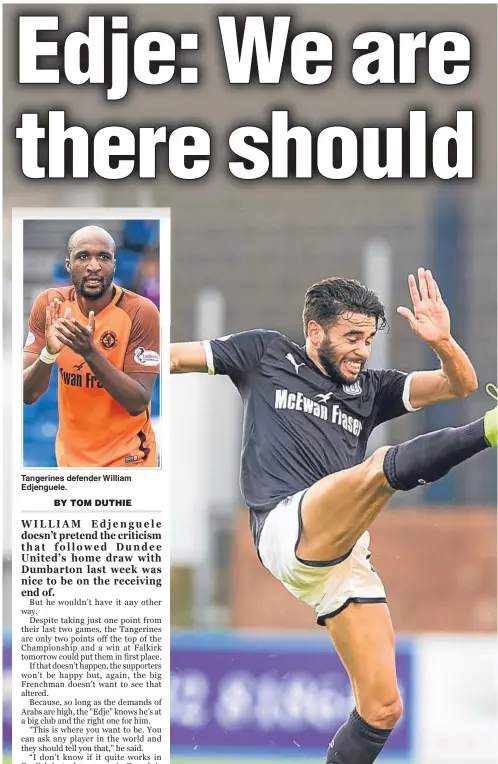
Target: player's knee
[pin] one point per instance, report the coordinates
(385, 714)
(375, 465)
(378, 456)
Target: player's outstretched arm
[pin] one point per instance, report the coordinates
(37, 367)
(430, 320)
(186, 357)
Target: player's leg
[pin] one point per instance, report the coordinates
(338, 509)
(430, 457)
(362, 633)
(364, 639)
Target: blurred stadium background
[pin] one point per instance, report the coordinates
(137, 269)
(253, 679)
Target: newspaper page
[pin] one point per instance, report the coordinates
(261, 149)
(90, 617)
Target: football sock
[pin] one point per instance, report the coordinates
(431, 456)
(491, 426)
(356, 742)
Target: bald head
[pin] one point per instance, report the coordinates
(91, 234)
(90, 261)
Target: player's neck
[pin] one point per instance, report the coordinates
(86, 305)
(312, 354)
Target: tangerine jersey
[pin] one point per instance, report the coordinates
(94, 429)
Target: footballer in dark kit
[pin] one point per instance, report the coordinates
(308, 414)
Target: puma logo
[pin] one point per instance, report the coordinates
(293, 361)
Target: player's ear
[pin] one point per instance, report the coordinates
(67, 264)
(315, 332)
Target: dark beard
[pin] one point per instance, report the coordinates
(79, 285)
(327, 358)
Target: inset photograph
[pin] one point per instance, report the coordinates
(92, 352)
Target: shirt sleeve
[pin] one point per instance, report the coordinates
(392, 394)
(237, 354)
(35, 341)
(142, 354)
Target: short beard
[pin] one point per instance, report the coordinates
(92, 295)
(328, 360)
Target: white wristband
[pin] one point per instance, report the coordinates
(47, 357)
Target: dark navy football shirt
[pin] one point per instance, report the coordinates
(299, 426)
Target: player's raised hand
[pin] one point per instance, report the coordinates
(52, 318)
(430, 319)
(76, 336)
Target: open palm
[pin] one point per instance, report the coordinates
(430, 319)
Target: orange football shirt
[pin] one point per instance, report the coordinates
(94, 429)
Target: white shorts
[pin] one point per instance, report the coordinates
(328, 587)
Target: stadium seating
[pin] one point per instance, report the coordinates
(139, 234)
(61, 276)
(156, 399)
(41, 421)
(127, 262)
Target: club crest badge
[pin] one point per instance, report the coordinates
(108, 340)
(354, 389)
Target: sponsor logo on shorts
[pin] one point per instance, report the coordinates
(354, 389)
(30, 339)
(109, 340)
(131, 459)
(146, 357)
